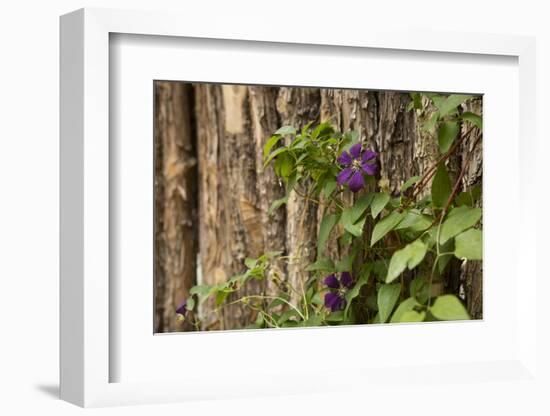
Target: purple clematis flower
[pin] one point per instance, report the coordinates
(355, 163)
(334, 299)
(346, 279)
(182, 309)
(332, 281)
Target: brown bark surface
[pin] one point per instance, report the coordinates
(175, 203)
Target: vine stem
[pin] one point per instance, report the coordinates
(431, 171)
(445, 209)
(275, 298)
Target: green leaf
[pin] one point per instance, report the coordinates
(323, 264)
(202, 291)
(285, 316)
(277, 302)
(451, 103)
(345, 264)
(443, 260)
(410, 256)
(412, 316)
(407, 305)
(430, 124)
(449, 308)
(270, 143)
(190, 304)
(419, 288)
(317, 300)
(313, 320)
(387, 297)
(322, 129)
(385, 225)
(379, 202)
(250, 263)
(330, 185)
(416, 101)
(221, 296)
(356, 289)
(277, 203)
(459, 219)
(437, 99)
(415, 221)
(359, 207)
(259, 322)
(327, 224)
(409, 182)
(398, 263)
(356, 229)
(351, 216)
(306, 127)
(275, 153)
(468, 245)
(337, 316)
(469, 197)
(447, 134)
(286, 130)
(271, 254)
(441, 187)
(284, 165)
(473, 118)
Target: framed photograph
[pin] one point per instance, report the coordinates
(286, 213)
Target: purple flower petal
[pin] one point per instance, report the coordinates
(346, 279)
(344, 176)
(368, 155)
(334, 302)
(355, 151)
(331, 281)
(356, 182)
(182, 309)
(370, 169)
(345, 159)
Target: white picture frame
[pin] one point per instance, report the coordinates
(87, 303)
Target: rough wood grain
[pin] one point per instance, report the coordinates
(297, 107)
(175, 203)
(472, 271)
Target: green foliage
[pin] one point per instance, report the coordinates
(392, 241)
(379, 202)
(387, 297)
(458, 220)
(447, 134)
(409, 182)
(352, 218)
(450, 103)
(448, 308)
(472, 118)
(327, 224)
(408, 257)
(408, 311)
(468, 245)
(441, 187)
(385, 225)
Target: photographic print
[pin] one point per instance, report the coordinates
(293, 207)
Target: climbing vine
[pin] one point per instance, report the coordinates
(392, 248)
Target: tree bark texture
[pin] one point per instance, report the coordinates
(175, 202)
(234, 191)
